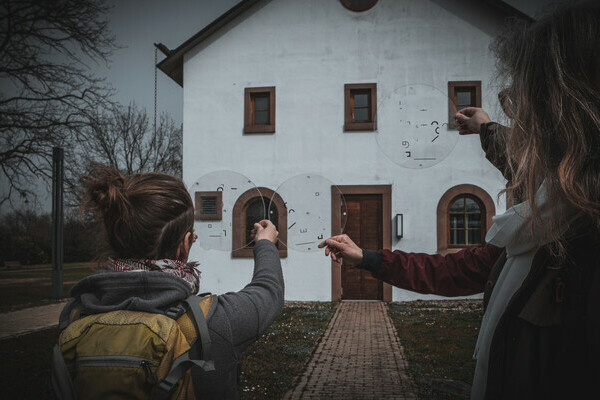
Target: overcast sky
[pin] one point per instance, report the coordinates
(137, 28)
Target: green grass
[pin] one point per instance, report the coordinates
(438, 339)
(269, 366)
(32, 286)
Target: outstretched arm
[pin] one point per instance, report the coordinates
(456, 274)
(254, 308)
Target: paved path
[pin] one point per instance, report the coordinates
(29, 320)
(359, 357)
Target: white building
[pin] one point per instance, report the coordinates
(279, 90)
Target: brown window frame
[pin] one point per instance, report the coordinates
(482, 228)
(443, 219)
(198, 208)
(249, 125)
(355, 88)
(240, 248)
(352, 7)
(473, 86)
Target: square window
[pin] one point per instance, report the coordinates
(360, 107)
(209, 206)
(463, 94)
(259, 110)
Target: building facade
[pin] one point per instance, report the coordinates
(285, 91)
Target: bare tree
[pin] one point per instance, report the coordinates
(123, 138)
(47, 91)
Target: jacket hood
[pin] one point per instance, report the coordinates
(149, 291)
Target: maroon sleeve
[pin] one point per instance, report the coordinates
(457, 274)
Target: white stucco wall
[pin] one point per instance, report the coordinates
(308, 50)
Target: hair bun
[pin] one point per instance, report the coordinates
(105, 192)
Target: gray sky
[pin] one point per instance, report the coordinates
(137, 28)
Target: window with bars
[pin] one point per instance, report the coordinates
(259, 110)
(209, 206)
(466, 219)
(360, 107)
(463, 94)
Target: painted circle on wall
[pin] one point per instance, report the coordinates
(214, 196)
(413, 126)
(308, 201)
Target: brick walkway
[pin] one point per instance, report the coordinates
(29, 320)
(359, 357)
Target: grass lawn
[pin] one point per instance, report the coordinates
(438, 339)
(32, 286)
(269, 366)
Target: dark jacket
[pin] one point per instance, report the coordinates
(547, 343)
(235, 320)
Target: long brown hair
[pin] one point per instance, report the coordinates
(144, 216)
(551, 69)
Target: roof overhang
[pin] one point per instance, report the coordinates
(172, 65)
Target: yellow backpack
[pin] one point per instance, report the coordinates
(131, 354)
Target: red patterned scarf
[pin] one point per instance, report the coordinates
(187, 272)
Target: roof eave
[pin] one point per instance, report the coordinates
(172, 65)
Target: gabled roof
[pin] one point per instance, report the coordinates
(172, 65)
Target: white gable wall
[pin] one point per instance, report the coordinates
(308, 50)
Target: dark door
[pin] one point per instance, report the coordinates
(364, 226)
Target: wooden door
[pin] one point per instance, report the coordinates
(364, 226)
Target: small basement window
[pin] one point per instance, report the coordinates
(209, 206)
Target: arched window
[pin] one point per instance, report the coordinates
(465, 222)
(464, 214)
(249, 209)
(254, 212)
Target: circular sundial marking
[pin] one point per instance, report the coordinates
(307, 200)
(413, 126)
(226, 187)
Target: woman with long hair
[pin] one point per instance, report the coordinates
(540, 267)
(147, 223)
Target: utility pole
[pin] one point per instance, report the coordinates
(57, 222)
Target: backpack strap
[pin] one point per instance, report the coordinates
(62, 385)
(165, 388)
(183, 363)
(193, 303)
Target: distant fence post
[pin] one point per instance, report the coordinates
(57, 222)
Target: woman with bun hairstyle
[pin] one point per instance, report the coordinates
(147, 221)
